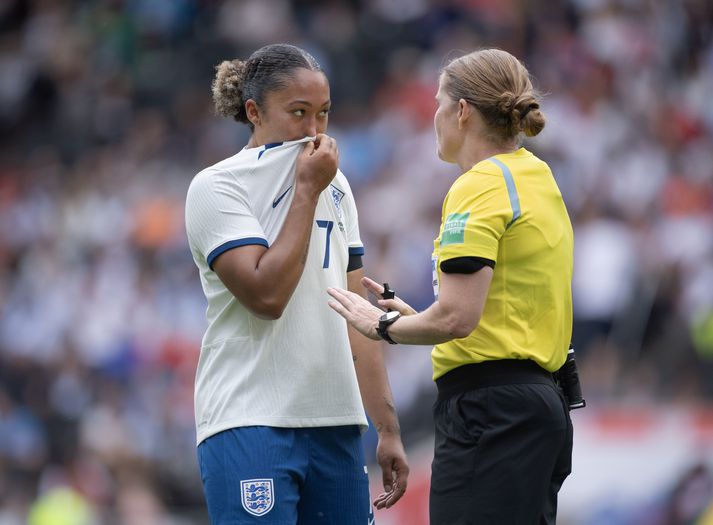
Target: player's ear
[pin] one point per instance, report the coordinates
(253, 112)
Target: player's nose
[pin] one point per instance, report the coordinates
(310, 127)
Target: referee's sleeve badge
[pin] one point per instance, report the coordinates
(454, 228)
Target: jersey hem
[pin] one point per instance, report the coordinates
(284, 422)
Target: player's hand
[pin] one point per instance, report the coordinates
(358, 312)
(317, 164)
(387, 304)
(394, 469)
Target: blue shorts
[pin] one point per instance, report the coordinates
(286, 476)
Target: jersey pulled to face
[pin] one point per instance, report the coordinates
(295, 371)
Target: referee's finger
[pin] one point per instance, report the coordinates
(390, 304)
(372, 286)
(339, 308)
(341, 296)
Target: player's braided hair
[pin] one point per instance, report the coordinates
(499, 86)
(268, 69)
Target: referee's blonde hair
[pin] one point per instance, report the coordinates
(499, 86)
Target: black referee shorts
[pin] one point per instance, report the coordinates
(503, 445)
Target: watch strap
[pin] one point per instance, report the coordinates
(384, 323)
(384, 334)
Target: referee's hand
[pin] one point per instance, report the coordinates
(389, 304)
(394, 469)
(358, 312)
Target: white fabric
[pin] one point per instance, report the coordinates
(296, 371)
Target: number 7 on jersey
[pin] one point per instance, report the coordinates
(328, 225)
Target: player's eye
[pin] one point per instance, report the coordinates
(324, 112)
(299, 113)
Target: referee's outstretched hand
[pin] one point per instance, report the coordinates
(358, 312)
(317, 164)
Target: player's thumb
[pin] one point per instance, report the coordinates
(387, 477)
(309, 148)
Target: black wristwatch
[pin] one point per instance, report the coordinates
(385, 320)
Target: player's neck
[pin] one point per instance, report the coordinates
(254, 142)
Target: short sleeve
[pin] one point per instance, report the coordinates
(476, 213)
(351, 219)
(219, 217)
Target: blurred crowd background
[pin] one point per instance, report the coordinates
(106, 114)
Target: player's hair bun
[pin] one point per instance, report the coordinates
(228, 90)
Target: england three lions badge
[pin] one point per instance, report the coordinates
(258, 496)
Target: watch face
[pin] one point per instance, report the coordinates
(388, 316)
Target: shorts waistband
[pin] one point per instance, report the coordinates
(491, 373)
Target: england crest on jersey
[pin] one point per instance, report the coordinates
(258, 496)
(337, 196)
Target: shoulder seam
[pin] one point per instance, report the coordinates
(511, 188)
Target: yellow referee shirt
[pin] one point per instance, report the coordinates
(509, 209)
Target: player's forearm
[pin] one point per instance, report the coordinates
(373, 383)
(278, 271)
(371, 371)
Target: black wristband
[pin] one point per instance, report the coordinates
(384, 334)
(384, 322)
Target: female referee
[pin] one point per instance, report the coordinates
(501, 322)
(277, 394)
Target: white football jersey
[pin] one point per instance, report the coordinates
(296, 371)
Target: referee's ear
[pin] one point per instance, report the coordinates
(465, 110)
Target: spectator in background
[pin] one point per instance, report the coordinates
(278, 407)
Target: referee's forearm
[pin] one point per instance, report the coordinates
(433, 326)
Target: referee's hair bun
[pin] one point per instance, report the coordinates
(506, 102)
(522, 112)
(528, 116)
(228, 90)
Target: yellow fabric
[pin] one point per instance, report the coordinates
(707, 517)
(528, 311)
(61, 506)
